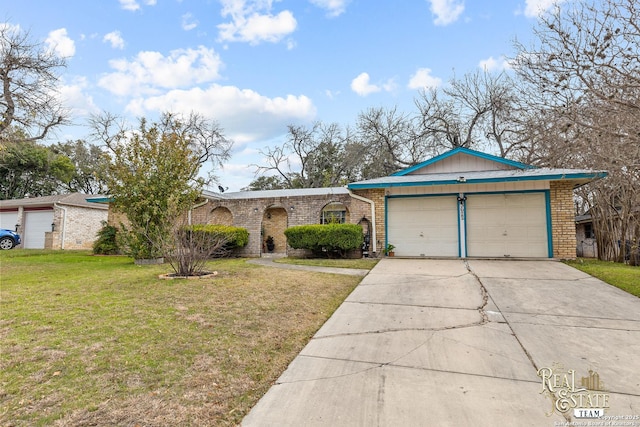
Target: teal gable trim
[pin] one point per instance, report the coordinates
(463, 150)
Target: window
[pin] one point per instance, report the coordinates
(334, 213)
(588, 231)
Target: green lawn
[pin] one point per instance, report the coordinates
(90, 340)
(619, 275)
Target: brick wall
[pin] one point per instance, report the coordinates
(253, 214)
(563, 224)
(377, 196)
(77, 226)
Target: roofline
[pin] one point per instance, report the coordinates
(557, 177)
(463, 150)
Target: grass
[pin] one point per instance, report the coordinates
(362, 263)
(622, 276)
(89, 340)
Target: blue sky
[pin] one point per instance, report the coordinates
(256, 66)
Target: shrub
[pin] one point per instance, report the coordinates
(107, 242)
(236, 237)
(326, 239)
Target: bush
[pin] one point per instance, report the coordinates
(107, 243)
(236, 237)
(326, 239)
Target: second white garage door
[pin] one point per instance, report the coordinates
(423, 226)
(507, 225)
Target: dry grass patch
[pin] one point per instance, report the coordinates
(99, 341)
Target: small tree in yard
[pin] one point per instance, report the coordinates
(153, 177)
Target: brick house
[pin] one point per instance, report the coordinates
(65, 221)
(463, 203)
(460, 204)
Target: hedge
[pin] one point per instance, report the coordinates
(327, 238)
(236, 237)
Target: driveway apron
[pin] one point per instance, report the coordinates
(460, 343)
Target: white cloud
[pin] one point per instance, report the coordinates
(188, 22)
(333, 7)
(115, 39)
(150, 71)
(60, 43)
(491, 64)
(362, 87)
(75, 98)
(535, 8)
(233, 108)
(252, 22)
(133, 5)
(423, 79)
(446, 11)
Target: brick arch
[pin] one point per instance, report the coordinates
(335, 209)
(221, 215)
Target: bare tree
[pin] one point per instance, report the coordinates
(29, 78)
(323, 155)
(394, 140)
(583, 78)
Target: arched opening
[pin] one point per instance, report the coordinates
(366, 231)
(334, 213)
(221, 215)
(274, 221)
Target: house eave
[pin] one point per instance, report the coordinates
(579, 178)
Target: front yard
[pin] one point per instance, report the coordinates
(88, 340)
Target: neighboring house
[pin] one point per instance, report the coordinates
(460, 204)
(66, 221)
(586, 245)
(586, 242)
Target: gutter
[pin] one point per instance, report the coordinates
(374, 241)
(64, 224)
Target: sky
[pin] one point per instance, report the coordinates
(257, 66)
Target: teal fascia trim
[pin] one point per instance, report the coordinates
(100, 200)
(463, 150)
(559, 177)
(547, 199)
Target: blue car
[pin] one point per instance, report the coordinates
(8, 239)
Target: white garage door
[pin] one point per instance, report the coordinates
(8, 220)
(423, 226)
(507, 225)
(35, 225)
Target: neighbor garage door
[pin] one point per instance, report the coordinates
(35, 225)
(423, 226)
(8, 220)
(507, 225)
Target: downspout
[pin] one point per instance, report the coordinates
(196, 207)
(373, 218)
(64, 223)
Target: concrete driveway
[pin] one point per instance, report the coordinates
(460, 343)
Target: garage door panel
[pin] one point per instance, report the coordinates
(36, 224)
(423, 226)
(507, 225)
